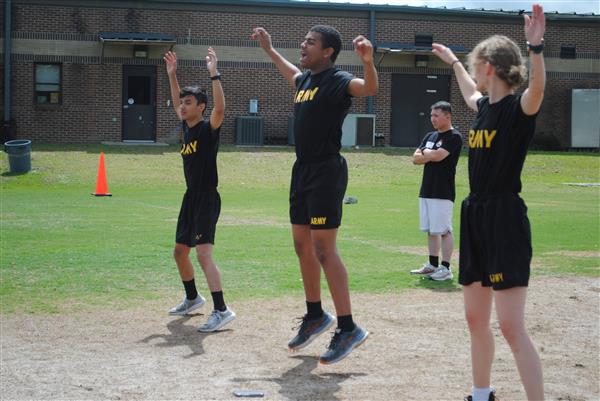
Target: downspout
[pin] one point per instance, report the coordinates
(7, 64)
(372, 33)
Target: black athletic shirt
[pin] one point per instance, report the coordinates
(438, 177)
(498, 141)
(199, 154)
(321, 103)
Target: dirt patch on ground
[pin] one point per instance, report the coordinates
(418, 350)
(576, 254)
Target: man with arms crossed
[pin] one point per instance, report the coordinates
(439, 153)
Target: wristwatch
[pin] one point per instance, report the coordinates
(537, 49)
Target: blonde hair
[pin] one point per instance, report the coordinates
(504, 55)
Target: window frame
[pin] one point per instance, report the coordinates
(60, 85)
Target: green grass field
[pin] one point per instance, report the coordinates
(63, 249)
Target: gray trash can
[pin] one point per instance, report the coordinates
(19, 155)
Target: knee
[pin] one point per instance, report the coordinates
(324, 253)
(204, 258)
(303, 249)
(512, 331)
(180, 253)
(476, 323)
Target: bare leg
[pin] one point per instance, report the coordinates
(447, 247)
(434, 243)
(510, 307)
(184, 264)
(478, 308)
(210, 269)
(337, 277)
(309, 264)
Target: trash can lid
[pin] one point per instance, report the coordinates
(18, 142)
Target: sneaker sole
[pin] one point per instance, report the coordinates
(312, 338)
(347, 353)
(187, 312)
(421, 274)
(223, 323)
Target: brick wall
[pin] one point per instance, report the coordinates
(91, 110)
(200, 23)
(554, 122)
(468, 34)
(91, 99)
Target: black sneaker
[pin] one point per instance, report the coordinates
(310, 329)
(492, 397)
(342, 343)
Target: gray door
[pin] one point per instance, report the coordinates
(412, 97)
(139, 103)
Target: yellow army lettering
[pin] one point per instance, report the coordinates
(305, 95)
(477, 138)
(318, 221)
(496, 278)
(189, 148)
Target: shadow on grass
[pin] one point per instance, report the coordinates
(10, 174)
(438, 286)
(182, 334)
(300, 383)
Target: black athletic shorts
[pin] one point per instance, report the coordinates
(198, 217)
(317, 192)
(495, 241)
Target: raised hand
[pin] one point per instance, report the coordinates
(171, 62)
(211, 61)
(263, 37)
(444, 53)
(535, 25)
(363, 48)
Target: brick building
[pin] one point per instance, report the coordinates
(92, 71)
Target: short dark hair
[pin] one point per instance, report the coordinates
(330, 37)
(195, 91)
(443, 106)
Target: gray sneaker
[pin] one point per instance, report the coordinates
(342, 343)
(426, 270)
(310, 329)
(442, 274)
(216, 320)
(187, 305)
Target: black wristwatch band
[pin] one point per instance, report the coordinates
(216, 77)
(536, 49)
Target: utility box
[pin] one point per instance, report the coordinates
(358, 130)
(585, 118)
(249, 131)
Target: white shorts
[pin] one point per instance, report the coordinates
(435, 216)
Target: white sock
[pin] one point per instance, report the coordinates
(481, 394)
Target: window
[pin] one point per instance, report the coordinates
(48, 88)
(568, 51)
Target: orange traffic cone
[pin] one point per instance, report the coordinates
(101, 185)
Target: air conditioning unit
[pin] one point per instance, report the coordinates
(249, 130)
(358, 130)
(585, 118)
